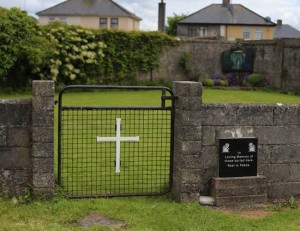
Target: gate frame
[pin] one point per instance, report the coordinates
(164, 97)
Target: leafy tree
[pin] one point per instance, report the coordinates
(16, 31)
(172, 26)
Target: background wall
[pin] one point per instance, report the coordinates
(277, 60)
(199, 127)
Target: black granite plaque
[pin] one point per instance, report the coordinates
(238, 157)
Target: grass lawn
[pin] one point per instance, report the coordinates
(145, 213)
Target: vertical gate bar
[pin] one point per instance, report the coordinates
(59, 139)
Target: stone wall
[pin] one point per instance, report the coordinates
(277, 60)
(27, 142)
(199, 126)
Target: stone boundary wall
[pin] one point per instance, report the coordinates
(199, 126)
(27, 142)
(277, 60)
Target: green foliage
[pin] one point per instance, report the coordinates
(128, 53)
(16, 31)
(185, 63)
(208, 83)
(73, 55)
(224, 83)
(172, 26)
(293, 203)
(77, 57)
(255, 80)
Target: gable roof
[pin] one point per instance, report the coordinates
(286, 31)
(233, 14)
(87, 8)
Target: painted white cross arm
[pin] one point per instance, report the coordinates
(118, 140)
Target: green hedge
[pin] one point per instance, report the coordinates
(73, 55)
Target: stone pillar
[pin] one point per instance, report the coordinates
(43, 138)
(161, 16)
(187, 141)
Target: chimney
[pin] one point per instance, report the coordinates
(279, 22)
(161, 16)
(226, 3)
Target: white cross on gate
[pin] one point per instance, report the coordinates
(118, 140)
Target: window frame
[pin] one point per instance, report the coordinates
(102, 24)
(246, 33)
(114, 23)
(259, 34)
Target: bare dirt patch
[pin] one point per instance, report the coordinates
(102, 220)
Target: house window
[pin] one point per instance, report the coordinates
(202, 31)
(63, 20)
(246, 33)
(114, 23)
(192, 31)
(103, 23)
(51, 19)
(259, 34)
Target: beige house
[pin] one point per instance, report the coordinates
(92, 14)
(227, 20)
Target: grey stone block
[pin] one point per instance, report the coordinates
(181, 197)
(241, 200)
(47, 193)
(187, 176)
(209, 135)
(217, 114)
(278, 134)
(15, 112)
(43, 88)
(15, 158)
(207, 173)
(255, 115)
(19, 137)
(283, 190)
(43, 118)
(295, 172)
(42, 165)
(188, 133)
(43, 150)
(189, 103)
(284, 153)
(187, 147)
(187, 88)
(43, 180)
(287, 115)
(275, 172)
(263, 154)
(209, 156)
(239, 191)
(190, 188)
(188, 161)
(42, 104)
(234, 132)
(14, 182)
(3, 136)
(43, 135)
(188, 118)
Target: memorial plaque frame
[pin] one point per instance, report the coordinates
(238, 157)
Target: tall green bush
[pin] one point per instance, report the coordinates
(17, 30)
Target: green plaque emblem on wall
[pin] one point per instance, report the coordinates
(238, 59)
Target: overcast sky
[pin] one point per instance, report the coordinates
(287, 10)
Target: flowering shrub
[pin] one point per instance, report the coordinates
(77, 54)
